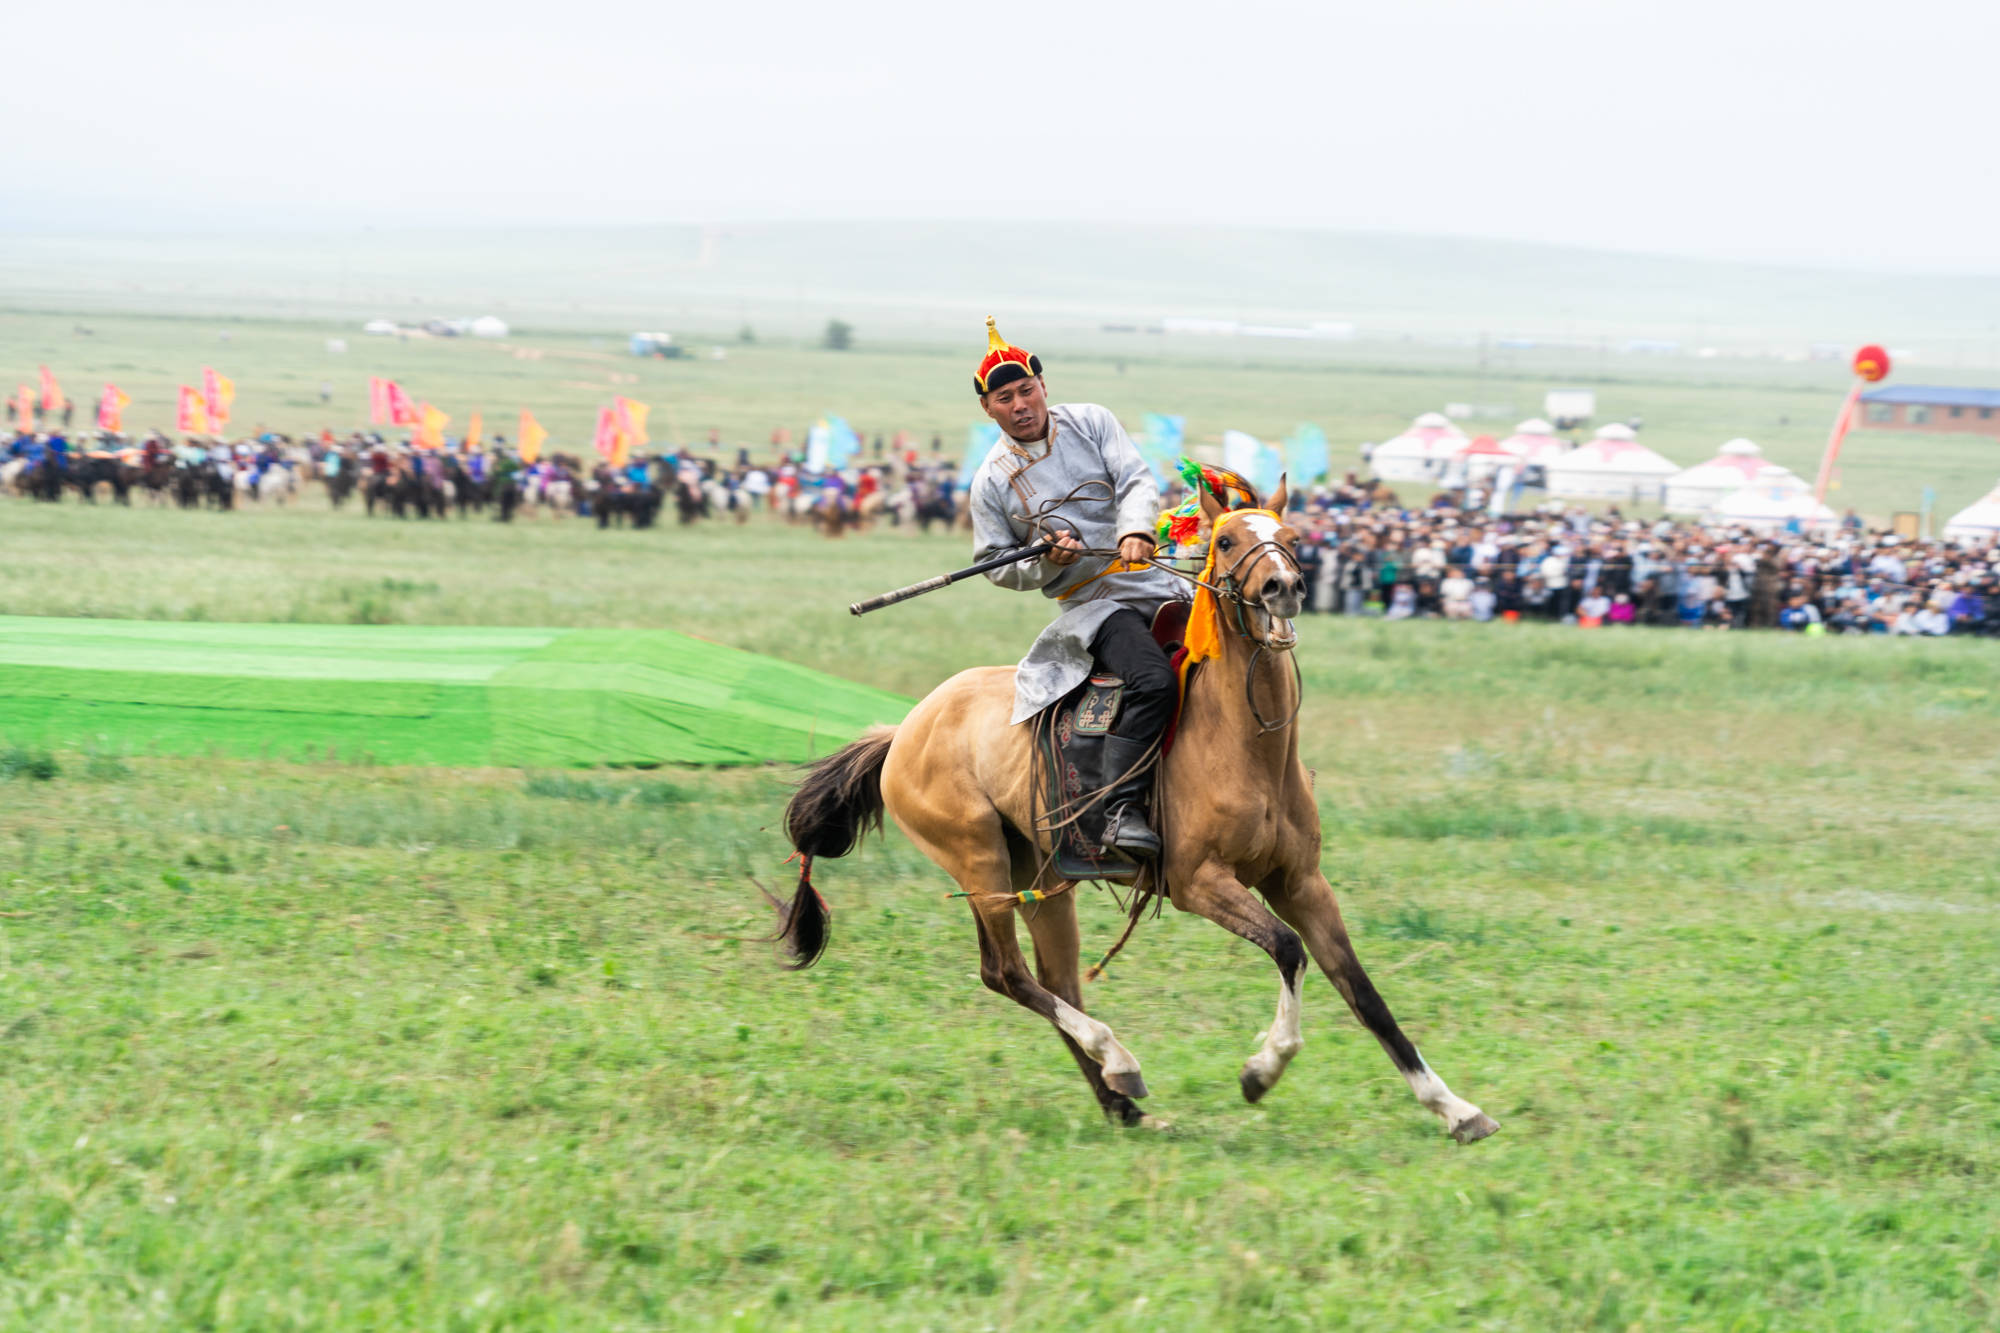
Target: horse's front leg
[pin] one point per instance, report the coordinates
(1307, 902)
(1214, 892)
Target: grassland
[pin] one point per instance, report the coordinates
(1356, 392)
(1707, 921)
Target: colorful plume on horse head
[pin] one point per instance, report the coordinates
(1003, 364)
(1179, 525)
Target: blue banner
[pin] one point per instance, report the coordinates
(979, 442)
(1307, 459)
(1160, 444)
(1256, 462)
(842, 443)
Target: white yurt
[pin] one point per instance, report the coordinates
(1777, 499)
(1419, 453)
(1482, 458)
(1735, 465)
(1535, 443)
(1976, 522)
(488, 326)
(1613, 466)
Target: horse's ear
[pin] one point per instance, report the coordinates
(1211, 508)
(1277, 502)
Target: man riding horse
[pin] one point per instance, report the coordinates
(1242, 843)
(1071, 467)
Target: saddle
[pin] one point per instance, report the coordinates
(1072, 771)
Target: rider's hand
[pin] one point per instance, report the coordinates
(1067, 550)
(1136, 550)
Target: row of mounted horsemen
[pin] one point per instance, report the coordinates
(405, 483)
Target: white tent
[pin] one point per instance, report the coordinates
(489, 326)
(1482, 458)
(1535, 443)
(1613, 466)
(1977, 522)
(1735, 465)
(1419, 453)
(1777, 499)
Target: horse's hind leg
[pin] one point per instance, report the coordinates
(1052, 926)
(1309, 905)
(1215, 893)
(977, 857)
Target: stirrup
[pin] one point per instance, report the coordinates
(1127, 833)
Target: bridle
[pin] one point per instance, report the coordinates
(1228, 588)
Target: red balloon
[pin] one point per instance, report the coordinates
(1871, 363)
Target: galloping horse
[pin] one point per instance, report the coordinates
(1237, 815)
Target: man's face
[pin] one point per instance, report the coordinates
(1020, 408)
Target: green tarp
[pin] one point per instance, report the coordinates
(405, 694)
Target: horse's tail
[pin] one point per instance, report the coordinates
(840, 800)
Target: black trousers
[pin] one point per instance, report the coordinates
(1124, 648)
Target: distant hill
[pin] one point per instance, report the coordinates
(919, 280)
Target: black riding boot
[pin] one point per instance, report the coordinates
(1126, 829)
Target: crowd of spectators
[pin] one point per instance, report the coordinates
(1366, 555)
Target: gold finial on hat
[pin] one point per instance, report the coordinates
(994, 342)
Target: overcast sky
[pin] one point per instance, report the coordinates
(1810, 131)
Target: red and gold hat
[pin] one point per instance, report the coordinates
(1004, 363)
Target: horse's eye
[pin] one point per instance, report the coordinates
(1225, 543)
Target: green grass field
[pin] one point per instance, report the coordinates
(1707, 921)
(1356, 392)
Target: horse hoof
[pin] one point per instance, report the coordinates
(1475, 1128)
(1127, 1085)
(1253, 1087)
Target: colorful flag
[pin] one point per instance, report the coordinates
(830, 444)
(1160, 444)
(632, 420)
(402, 411)
(24, 410)
(606, 438)
(979, 442)
(472, 433)
(1251, 458)
(532, 436)
(430, 427)
(111, 409)
(192, 418)
(378, 401)
(52, 394)
(1307, 458)
(218, 392)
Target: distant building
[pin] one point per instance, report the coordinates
(1931, 407)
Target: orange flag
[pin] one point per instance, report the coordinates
(24, 411)
(472, 434)
(193, 414)
(532, 436)
(111, 408)
(52, 394)
(632, 420)
(218, 391)
(430, 427)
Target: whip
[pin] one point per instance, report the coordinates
(946, 580)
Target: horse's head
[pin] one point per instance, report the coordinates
(1256, 565)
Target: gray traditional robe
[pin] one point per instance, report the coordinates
(1085, 443)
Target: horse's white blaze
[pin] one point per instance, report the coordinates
(1435, 1096)
(1096, 1040)
(1284, 1040)
(1262, 526)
